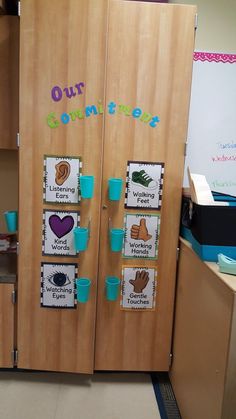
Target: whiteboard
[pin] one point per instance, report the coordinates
(211, 148)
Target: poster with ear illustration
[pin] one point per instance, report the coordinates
(61, 179)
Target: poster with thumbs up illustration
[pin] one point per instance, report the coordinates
(138, 288)
(141, 236)
(61, 174)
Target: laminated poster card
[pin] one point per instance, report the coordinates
(144, 184)
(61, 179)
(138, 290)
(141, 236)
(58, 288)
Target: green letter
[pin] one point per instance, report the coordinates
(52, 121)
(78, 113)
(146, 117)
(125, 109)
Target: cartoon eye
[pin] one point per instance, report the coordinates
(59, 279)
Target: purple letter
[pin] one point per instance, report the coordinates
(78, 87)
(56, 93)
(70, 93)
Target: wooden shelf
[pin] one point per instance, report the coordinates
(8, 267)
(7, 278)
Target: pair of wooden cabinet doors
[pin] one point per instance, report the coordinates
(137, 56)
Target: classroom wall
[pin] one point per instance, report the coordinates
(216, 25)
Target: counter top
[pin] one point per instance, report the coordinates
(229, 280)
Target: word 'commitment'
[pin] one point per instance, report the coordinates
(54, 121)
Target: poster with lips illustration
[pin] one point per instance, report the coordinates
(58, 232)
(61, 174)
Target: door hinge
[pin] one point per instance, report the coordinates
(13, 297)
(18, 8)
(185, 149)
(18, 140)
(177, 254)
(196, 21)
(170, 359)
(14, 357)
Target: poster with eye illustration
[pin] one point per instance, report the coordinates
(58, 289)
(138, 291)
(58, 238)
(144, 184)
(61, 179)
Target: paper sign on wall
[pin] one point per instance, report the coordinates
(58, 236)
(61, 174)
(141, 236)
(138, 288)
(58, 287)
(144, 185)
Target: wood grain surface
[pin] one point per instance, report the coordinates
(6, 325)
(61, 44)
(149, 65)
(203, 370)
(9, 81)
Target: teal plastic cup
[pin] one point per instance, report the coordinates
(86, 186)
(114, 189)
(81, 238)
(11, 218)
(116, 239)
(83, 286)
(112, 288)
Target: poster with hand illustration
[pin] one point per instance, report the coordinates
(144, 184)
(58, 289)
(61, 175)
(138, 288)
(141, 236)
(58, 236)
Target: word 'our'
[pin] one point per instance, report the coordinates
(57, 92)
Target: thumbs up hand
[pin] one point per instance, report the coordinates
(140, 232)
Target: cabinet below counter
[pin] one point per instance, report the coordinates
(203, 373)
(7, 314)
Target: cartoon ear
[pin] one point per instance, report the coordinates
(62, 172)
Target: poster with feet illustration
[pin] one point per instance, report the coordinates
(141, 236)
(58, 288)
(61, 175)
(144, 184)
(138, 288)
(58, 236)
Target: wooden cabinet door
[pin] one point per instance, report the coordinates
(6, 325)
(9, 81)
(149, 65)
(62, 45)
